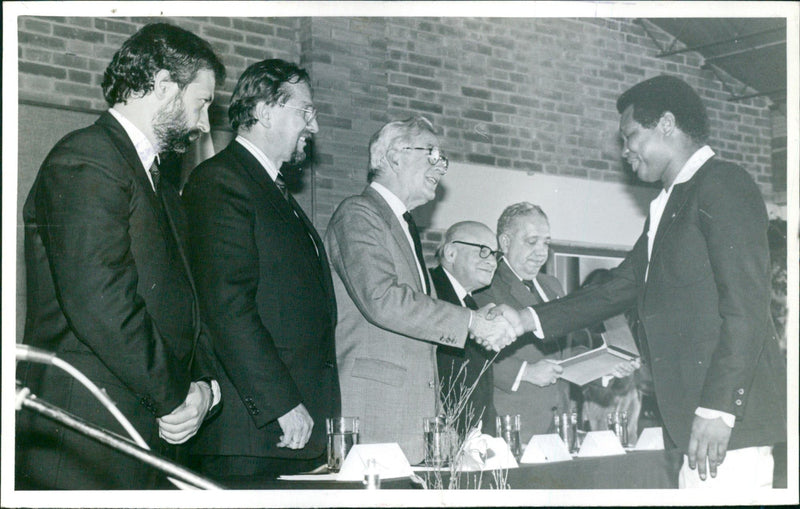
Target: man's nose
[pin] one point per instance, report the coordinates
(202, 123)
(313, 126)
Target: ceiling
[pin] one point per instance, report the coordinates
(751, 50)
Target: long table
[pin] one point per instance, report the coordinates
(633, 470)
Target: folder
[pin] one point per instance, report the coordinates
(618, 345)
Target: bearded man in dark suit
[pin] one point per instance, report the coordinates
(264, 284)
(109, 287)
(700, 278)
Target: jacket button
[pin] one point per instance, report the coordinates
(740, 392)
(431, 384)
(738, 402)
(329, 365)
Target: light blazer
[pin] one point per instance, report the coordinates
(110, 292)
(704, 309)
(268, 298)
(388, 328)
(533, 403)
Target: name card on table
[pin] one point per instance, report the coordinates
(600, 443)
(484, 452)
(651, 439)
(390, 462)
(545, 449)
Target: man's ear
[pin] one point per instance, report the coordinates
(503, 240)
(392, 157)
(262, 112)
(667, 123)
(448, 252)
(163, 86)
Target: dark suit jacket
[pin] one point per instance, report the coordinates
(451, 359)
(704, 309)
(109, 291)
(268, 299)
(533, 403)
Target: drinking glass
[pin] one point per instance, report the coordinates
(508, 427)
(342, 436)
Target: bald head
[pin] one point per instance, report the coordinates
(460, 254)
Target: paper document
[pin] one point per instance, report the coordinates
(618, 345)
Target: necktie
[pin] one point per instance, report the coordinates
(156, 176)
(530, 285)
(281, 185)
(470, 302)
(412, 229)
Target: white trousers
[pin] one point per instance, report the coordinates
(748, 468)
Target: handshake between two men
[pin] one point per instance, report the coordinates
(494, 327)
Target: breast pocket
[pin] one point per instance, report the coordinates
(682, 259)
(380, 371)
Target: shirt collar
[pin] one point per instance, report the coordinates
(397, 206)
(144, 149)
(503, 259)
(259, 155)
(690, 167)
(460, 291)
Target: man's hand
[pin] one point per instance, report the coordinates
(709, 439)
(182, 423)
(543, 373)
(521, 319)
(296, 425)
(626, 368)
(492, 333)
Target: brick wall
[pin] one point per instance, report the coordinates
(534, 95)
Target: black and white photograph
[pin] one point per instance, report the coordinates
(400, 254)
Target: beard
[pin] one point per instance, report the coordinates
(170, 129)
(299, 155)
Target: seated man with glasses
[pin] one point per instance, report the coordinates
(467, 260)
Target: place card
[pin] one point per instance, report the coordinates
(545, 449)
(600, 443)
(485, 452)
(651, 439)
(389, 461)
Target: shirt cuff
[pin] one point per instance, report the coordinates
(707, 413)
(519, 376)
(537, 331)
(216, 393)
(469, 325)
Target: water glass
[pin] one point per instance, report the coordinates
(441, 441)
(342, 436)
(508, 427)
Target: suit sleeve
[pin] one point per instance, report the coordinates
(357, 239)
(587, 306)
(84, 220)
(225, 262)
(733, 220)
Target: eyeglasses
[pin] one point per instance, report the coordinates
(309, 114)
(486, 251)
(435, 156)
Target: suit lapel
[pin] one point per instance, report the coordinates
(260, 176)
(125, 147)
(516, 288)
(396, 229)
(444, 288)
(676, 202)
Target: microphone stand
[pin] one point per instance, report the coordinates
(30, 401)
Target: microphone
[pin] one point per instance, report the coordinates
(27, 353)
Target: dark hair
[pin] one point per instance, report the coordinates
(158, 46)
(262, 81)
(652, 97)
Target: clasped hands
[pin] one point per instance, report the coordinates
(495, 327)
(182, 423)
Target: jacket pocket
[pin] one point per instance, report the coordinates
(380, 371)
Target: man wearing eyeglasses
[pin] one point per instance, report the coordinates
(265, 286)
(467, 261)
(526, 378)
(389, 319)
